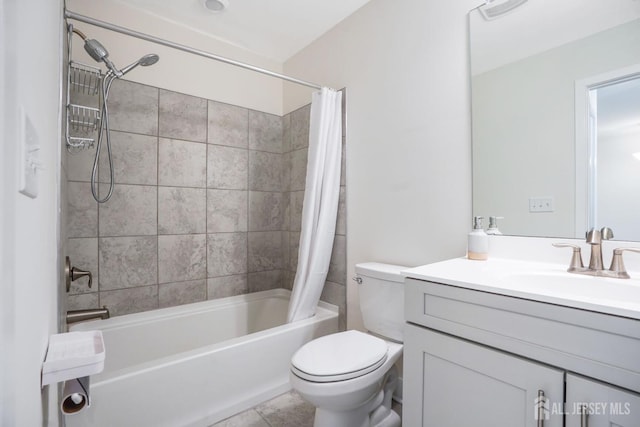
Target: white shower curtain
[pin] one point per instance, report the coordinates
(320, 206)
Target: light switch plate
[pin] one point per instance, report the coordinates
(541, 204)
(29, 157)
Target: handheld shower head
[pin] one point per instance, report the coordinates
(100, 54)
(145, 61)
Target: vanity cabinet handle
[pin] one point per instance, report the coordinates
(584, 416)
(540, 406)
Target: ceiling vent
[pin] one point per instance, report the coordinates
(493, 9)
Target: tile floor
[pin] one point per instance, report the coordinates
(286, 410)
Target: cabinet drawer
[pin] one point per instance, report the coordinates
(597, 345)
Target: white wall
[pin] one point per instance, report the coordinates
(405, 67)
(29, 228)
(179, 71)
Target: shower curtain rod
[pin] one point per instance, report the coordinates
(132, 33)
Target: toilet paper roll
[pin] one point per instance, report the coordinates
(75, 396)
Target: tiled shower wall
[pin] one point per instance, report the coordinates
(207, 204)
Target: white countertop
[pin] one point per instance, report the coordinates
(538, 281)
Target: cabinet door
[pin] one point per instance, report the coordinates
(605, 405)
(450, 382)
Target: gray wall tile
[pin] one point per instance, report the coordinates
(297, 199)
(265, 211)
(336, 294)
(265, 250)
(265, 132)
(203, 188)
(227, 167)
(265, 171)
(182, 210)
(80, 164)
(226, 211)
(300, 127)
(182, 257)
(286, 133)
(131, 300)
(286, 171)
(135, 159)
(341, 220)
(294, 245)
(264, 280)
(286, 249)
(131, 211)
(82, 218)
(182, 116)
(182, 163)
(298, 169)
(133, 108)
(83, 254)
(228, 125)
(227, 286)
(83, 301)
(226, 254)
(127, 262)
(343, 165)
(286, 212)
(172, 294)
(338, 264)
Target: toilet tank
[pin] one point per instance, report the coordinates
(381, 291)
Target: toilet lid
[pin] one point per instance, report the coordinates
(339, 357)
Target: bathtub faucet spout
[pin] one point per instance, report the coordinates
(82, 315)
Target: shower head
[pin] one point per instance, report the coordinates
(145, 61)
(100, 54)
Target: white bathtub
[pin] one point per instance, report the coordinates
(196, 364)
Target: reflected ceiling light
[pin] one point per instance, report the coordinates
(216, 6)
(637, 155)
(493, 9)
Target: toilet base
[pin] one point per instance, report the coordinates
(376, 412)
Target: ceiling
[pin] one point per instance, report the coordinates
(275, 29)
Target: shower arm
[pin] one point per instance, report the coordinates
(88, 20)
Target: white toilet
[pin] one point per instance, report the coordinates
(350, 376)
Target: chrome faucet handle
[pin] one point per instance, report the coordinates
(617, 264)
(576, 258)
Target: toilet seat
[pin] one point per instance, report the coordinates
(339, 357)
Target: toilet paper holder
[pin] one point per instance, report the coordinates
(73, 355)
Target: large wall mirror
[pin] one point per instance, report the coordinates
(556, 116)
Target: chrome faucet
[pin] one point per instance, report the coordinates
(596, 267)
(74, 316)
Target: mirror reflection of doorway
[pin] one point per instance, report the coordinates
(615, 162)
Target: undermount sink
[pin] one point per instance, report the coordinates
(545, 282)
(597, 289)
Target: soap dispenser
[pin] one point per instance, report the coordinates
(478, 243)
(493, 226)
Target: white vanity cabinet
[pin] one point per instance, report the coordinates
(450, 382)
(475, 358)
(594, 404)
